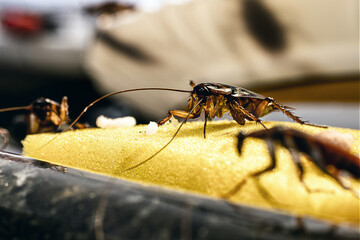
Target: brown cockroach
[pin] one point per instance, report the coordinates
(215, 99)
(44, 115)
(331, 159)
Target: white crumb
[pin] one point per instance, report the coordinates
(151, 128)
(174, 121)
(104, 122)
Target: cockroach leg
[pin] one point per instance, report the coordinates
(284, 109)
(296, 158)
(205, 123)
(264, 193)
(291, 146)
(234, 190)
(177, 113)
(209, 111)
(237, 107)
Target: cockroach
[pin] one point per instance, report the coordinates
(215, 99)
(44, 115)
(331, 159)
(4, 133)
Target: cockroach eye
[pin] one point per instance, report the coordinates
(41, 102)
(40, 107)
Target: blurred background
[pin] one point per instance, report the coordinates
(303, 53)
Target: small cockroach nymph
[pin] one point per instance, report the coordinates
(44, 115)
(4, 134)
(330, 158)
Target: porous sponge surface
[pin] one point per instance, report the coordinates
(210, 166)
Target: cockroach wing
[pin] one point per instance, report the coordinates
(242, 92)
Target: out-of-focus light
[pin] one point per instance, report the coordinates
(22, 22)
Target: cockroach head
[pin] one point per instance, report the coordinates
(201, 90)
(41, 106)
(241, 137)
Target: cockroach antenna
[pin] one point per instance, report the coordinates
(167, 144)
(112, 94)
(15, 108)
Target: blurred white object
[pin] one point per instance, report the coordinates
(218, 41)
(151, 128)
(104, 122)
(174, 121)
(344, 141)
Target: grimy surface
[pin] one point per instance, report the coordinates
(210, 166)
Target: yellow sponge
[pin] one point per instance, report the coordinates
(210, 166)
